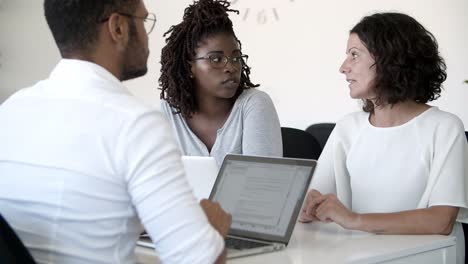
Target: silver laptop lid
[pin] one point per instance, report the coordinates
(264, 195)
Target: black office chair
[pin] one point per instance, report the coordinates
(321, 132)
(12, 249)
(299, 144)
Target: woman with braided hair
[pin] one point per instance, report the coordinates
(206, 89)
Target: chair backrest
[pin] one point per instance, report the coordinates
(299, 144)
(12, 249)
(321, 132)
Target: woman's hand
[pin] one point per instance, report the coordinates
(308, 211)
(330, 209)
(327, 208)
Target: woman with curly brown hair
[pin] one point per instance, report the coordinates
(398, 167)
(206, 89)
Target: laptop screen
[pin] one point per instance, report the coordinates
(264, 195)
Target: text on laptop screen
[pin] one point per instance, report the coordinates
(261, 196)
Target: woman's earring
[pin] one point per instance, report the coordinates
(191, 76)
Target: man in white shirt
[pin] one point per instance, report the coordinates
(83, 163)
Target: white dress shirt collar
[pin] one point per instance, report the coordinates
(73, 69)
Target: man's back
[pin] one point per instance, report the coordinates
(75, 167)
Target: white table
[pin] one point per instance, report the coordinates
(329, 243)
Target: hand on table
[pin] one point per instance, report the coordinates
(308, 211)
(327, 208)
(330, 209)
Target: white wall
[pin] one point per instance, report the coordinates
(295, 58)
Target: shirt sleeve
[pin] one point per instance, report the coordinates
(449, 168)
(261, 127)
(331, 174)
(162, 196)
(323, 179)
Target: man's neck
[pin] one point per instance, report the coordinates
(102, 60)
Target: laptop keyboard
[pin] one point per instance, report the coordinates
(242, 244)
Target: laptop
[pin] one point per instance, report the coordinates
(264, 195)
(201, 174)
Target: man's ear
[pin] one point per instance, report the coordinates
(118, 28)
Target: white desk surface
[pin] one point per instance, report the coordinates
(329, 243)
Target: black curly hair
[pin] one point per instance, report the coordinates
(407, 60)
(202, 19)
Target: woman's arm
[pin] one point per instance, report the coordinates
(432, 220)
(261, 127)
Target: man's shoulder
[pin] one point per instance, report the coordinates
(23, 92)
(130, 109)
(128, 103)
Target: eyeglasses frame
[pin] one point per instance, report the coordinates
(145, 19)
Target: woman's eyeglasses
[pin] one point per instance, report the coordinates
(218, 61)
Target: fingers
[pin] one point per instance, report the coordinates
(218, 218)
(314, 203)
(207, 204)
(226, 224)
(327, 208)
(310, 204)
(304, 218)
(318, 208)
(331, 210)
(314, 193)
(311, 195)
(322, 211)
